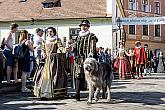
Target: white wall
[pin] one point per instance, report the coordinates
(103, 33)
(63, 31)
(116, 33)
(4, 32)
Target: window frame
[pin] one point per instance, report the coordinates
(147, 30)
(131, 32)
(145, 7)
(22, 1)
(132, 5)
(157, 7)
(77, 30)
(144, 2)
(156, 29)
(51, 4)
(48, 5)
(132, 1)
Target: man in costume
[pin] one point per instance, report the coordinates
(85, 44)
(149, 56)
(140, 59)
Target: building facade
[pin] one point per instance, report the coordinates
(64, 15)
(153, 35)
(117, 29)
(68, 28)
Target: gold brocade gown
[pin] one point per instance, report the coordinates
(52, 82)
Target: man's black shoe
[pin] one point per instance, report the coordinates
(76, 97)
(1, 85)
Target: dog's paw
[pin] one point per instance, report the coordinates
(108, 100)
(89, 102)
(96, 99)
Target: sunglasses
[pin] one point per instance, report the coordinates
(50, 31)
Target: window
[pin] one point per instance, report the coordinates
(73, 33)
(131, 29)
(51, 3)
(48, 5)
(145, 2)
(131, 0)
(145, 6)
(132, 5)
(22, 0)
(157, 8)
(157, 30)
(145, 30)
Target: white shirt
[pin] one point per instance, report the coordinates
(11, 42)
(38, 43)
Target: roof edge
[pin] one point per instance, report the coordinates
(29, 20)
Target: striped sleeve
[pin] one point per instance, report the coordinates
(43, 46)
(61, 48)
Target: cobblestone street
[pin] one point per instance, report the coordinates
(145, 94)
(50, 50)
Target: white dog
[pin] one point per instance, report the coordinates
(97, 75)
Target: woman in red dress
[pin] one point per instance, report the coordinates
(121, 64)
(131, 59)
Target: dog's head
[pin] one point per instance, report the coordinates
(90, 65)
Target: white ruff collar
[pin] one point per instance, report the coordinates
(121, 49)
(138, 47)
(51, 39)
(83, 33)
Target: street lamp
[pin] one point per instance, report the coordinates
(119, 25)
(122, 33)
(123, 37)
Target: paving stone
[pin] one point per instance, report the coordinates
(145, 94)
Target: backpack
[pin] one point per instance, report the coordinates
(2, 46)
(18, 52)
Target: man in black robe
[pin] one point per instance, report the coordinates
(85, 45)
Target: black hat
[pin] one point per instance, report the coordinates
(146, 45)
(137, 42)
(85, 22)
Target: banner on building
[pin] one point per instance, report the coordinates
(142, 20)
